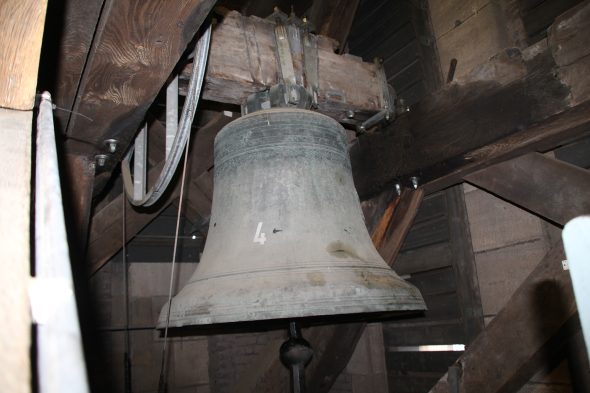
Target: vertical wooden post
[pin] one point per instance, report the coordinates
(464, 264)
(15, 165)
(21, 29)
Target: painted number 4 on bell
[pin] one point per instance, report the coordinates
(259, 237)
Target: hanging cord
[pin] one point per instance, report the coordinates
(126, 356)
(163, 368)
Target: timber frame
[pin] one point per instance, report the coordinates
(489, 129)
(521, 101)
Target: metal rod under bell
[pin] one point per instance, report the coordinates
(296, 353)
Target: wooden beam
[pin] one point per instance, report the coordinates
(334, 344)
(69, 28)
(106, 226)
(463, 258)
(518, 102)
(136, 46)
(106, 234)
(554, 189)
(78, 181)
(21, 33)
(520, 332)
(15, 274)
(242, 61)
(333, 18)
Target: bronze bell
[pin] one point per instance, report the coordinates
(286, 237)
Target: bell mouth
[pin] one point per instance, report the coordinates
(322, 294)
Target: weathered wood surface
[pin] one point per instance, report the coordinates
(518, 335)
(136, 46)
(333, 18)
(464, 264)
(554, 189)
(21, 32)
(242, 61)
(518, 102)
(106, 236)
(77, 184)
(15, 201)
(330, 355)
(70, 27)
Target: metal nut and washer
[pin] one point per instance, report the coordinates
(101, 159)
(111, 144)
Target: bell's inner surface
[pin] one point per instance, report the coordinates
(287, 237)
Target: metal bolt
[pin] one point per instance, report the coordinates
(111, 144)
(398, 189)
(414, 180)
(101, 159)
(350, 114)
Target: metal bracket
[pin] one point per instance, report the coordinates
(311, 65)
(387, 101)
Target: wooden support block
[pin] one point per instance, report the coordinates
(243, 61)
(517, 336)
(21, 33)
(554, 189)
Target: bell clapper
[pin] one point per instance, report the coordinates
(295, 354)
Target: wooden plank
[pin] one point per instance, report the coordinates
(69, 30)
(243, 61)
(77, 195)
(15, 201)
(451, 132)
(428, 54)
(536, 312)
(106, 226)
(427, 233)
(333, 18)
(403, 362)
(435, 282)
(411, 383)
(554, 189)
(421, 259)
(21, 33)
(400, 224)
(495, 223)
(464, 264)
(136, 46)
(21, 29)
(451, 332)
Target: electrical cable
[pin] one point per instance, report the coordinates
(162, 379)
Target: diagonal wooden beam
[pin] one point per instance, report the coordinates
(554, 189)
(106, 226)
(69, 30)
(135, 48)
(334, 344)
(518, 102)
(519, 334)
